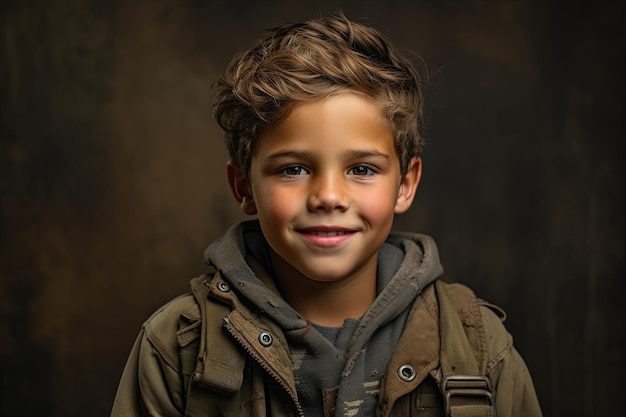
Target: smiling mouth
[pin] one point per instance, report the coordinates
(326, 232)
(327, 237)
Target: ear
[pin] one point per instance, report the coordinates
(408, 185)
(240, 187)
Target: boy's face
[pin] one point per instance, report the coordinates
(325, 183)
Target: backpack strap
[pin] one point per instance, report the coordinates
(464, 386)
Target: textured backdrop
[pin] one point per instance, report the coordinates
(112, 178)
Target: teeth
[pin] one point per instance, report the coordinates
(324, 233)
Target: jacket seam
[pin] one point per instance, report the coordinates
(498, 358)
(161, 350)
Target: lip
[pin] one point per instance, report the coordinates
(326, 236)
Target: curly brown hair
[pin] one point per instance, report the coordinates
(313, 59)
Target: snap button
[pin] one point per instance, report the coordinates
(223, 286)
(265, 339)
(407, 373)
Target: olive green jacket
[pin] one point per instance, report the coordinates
(242, 367)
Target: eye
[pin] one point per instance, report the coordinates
(362, 170)
(292, 171)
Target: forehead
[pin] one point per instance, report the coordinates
(340, 122)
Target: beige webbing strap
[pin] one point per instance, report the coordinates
(465, 389)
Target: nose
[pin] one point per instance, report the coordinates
(328, 192)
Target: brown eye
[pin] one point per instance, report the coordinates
(293, 171)
(361, 170)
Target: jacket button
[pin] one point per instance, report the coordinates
(223, 286)
(407, 373)
(265, 339)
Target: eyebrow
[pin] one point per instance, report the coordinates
(357, 154)
(286, 154)
(350, 154)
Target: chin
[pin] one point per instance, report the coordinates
(324, 274)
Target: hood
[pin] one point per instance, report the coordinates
(407, 263)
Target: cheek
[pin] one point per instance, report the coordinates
(276, 204)
(379, 207)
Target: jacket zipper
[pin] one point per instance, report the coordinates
(264, 364)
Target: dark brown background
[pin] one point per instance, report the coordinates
(112, 178)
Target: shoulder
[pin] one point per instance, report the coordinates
(168, 315)
(475, 312)
(499, 340)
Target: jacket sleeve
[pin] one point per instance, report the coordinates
(513, 385)
(152, 383)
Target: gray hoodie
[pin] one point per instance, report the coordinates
(333, 367)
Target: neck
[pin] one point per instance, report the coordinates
(322, 302)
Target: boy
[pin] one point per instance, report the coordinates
(315, 309)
